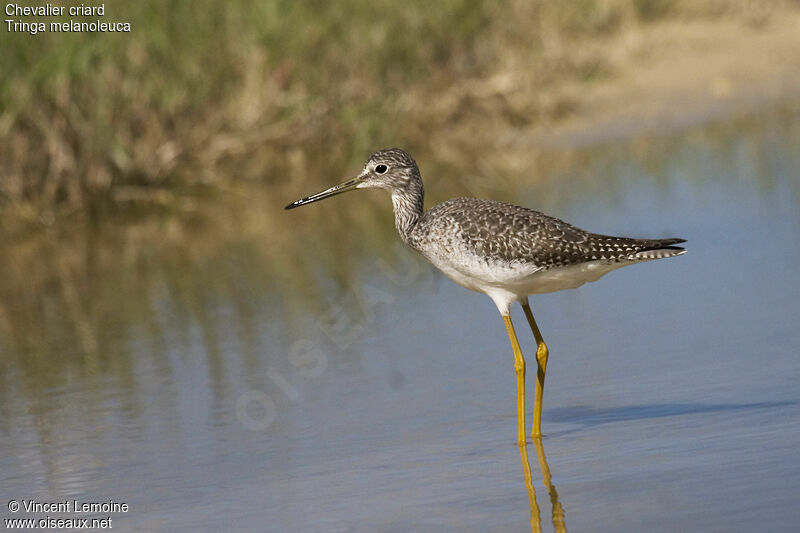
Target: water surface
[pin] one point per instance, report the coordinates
(214, 393)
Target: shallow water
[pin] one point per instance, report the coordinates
(672, 398)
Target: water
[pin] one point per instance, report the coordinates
(226, 390)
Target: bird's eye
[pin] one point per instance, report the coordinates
(381, 169)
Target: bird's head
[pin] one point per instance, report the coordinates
(392, 169)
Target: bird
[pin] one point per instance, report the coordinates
(500, 249)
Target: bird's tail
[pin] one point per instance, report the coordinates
(659, 249)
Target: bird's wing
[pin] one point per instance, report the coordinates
(510, 233)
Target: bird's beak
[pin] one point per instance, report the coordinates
(333, 191)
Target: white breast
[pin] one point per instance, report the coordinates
(508, 282)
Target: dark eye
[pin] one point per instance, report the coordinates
(381, 169)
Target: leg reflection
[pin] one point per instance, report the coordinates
(558, 510)
(536, 521)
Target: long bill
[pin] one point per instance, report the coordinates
(327, 193)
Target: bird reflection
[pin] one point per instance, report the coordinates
(558, 510)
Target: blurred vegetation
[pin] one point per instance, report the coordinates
(202, 96)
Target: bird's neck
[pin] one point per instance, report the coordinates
(408, 208)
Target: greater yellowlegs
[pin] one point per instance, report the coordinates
(502, 250)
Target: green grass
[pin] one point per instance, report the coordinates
(201, 94)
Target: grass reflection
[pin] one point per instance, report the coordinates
(84, 304)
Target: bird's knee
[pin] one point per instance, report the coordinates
(519, 366)
(541, 354)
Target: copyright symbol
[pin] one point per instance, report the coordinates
(13, 506)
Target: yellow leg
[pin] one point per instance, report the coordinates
(519, 368)
(541, 368)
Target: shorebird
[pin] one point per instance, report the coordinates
(503, 250)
